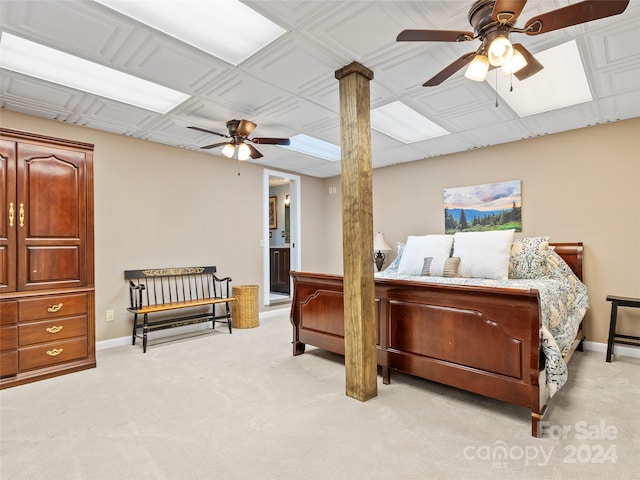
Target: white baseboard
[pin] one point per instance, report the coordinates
(619, 350)
(187, 329)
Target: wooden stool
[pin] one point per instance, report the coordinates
(613, 336)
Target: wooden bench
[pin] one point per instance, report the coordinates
(168, 290)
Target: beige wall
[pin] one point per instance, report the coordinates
(162, 206)
(158, 206)
(582, 185)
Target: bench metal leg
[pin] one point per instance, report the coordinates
(612, 330)
(145, 327)
(135, 327)
(229, 322)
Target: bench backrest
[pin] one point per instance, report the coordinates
(156, 286)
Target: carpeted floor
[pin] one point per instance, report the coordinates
(241, 406)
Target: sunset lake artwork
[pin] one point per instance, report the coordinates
(491, 206)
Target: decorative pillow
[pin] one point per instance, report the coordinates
(483, 254)
(393, 266)
(441, 266)
(529, 258)
(418, 248)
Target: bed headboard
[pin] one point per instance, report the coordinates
(572, 254)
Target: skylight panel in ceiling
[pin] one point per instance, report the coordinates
(35, 60)
(562, 83)
(226, 29)
(403, 123)
(314, 147)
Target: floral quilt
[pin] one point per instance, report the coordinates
(563, 302)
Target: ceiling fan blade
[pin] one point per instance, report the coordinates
(209, 131)
(433, 36)
(581, 12)
(207, 147)
(507, 11)
(245, 127)
(271, 141)
(532, 67)
(450, 70)
(254, 153)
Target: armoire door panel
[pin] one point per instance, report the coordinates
(52, 212)
(54, 263)
(8, 216)
(52, 236)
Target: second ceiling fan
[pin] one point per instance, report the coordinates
(238, 145)
(493, 21)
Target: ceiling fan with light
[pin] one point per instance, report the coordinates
(493, 22)
(237, 146)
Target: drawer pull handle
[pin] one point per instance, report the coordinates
(54, 329)
(55, 352)
(54, 308)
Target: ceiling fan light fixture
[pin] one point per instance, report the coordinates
(500, 51)
(517, 63)
(244, 152)
(228, 150)
(478, 68)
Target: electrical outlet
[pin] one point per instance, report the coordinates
(108, 316)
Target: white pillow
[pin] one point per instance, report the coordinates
(483, 254)
(417, 248)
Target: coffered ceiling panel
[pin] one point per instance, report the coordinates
(443, 145)
(292, 14)
(569, 118)
(245, 91)
(326, 170)
(83, 28)
(115, 113)
(177, 66)
(408, 69)
(30, 91)
(288, 87)
(341, 30)
(290, 63)
(300, 115)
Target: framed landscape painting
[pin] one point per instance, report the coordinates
(491, 206)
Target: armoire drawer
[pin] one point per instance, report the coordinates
(54, 306)
(9, 312)
(52, 330)
(8, 338)
(8, 363)
(51, 353)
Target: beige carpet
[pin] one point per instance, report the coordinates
(241, 406)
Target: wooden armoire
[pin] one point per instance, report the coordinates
(47, 298)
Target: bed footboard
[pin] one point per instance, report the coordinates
(480, 339)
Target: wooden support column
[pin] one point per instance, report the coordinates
(357, 232)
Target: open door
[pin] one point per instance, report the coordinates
(281, 239)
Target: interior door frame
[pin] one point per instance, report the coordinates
(294, 227)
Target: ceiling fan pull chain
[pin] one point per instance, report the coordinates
(511, 79)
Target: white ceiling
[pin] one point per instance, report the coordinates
(289, 86)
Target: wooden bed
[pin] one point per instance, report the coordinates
(482, 339)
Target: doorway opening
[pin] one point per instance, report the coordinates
(281, 234)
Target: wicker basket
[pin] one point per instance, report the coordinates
(244, 312)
